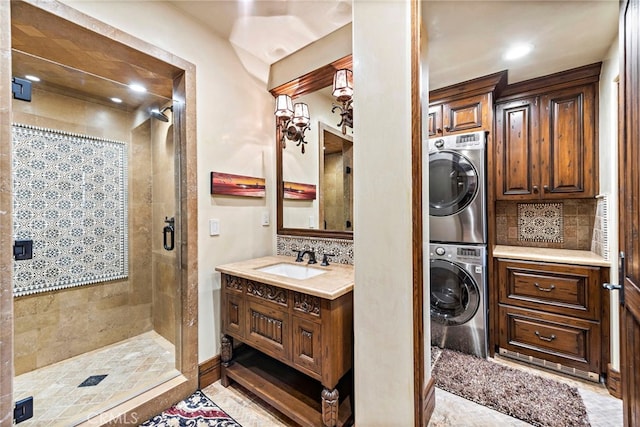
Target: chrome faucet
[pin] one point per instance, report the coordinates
(312, 257)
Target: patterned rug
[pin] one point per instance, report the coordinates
(196, 410)
(537, 400)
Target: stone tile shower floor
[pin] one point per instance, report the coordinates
(451, 410)
(131, 366)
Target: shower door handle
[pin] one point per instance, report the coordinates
(169, 234)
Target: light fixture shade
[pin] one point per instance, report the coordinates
(343, 85)
(284, 107)
(301, 116)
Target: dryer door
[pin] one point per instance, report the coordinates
(455, 296)
(453, 183)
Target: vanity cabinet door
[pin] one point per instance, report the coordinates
(307, 352)
(268, 329)
(233, 321)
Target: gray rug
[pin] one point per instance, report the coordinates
(539, 401)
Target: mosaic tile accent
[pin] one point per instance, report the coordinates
(70, 198)
(341, 249)
(540, 222)
(600, 237)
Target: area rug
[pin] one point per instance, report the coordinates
(531, 398)
(196, 410)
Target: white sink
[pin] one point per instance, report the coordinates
(292, 271)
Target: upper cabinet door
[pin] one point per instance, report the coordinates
(466, 115)
(435, 121)
(567, 137)
(517, 150)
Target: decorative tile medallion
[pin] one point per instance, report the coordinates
(70, 198)
(540, 222)
(342, 250)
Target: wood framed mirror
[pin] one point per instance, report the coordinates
(312, 220)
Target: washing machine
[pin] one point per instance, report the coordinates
(457, 188)
(459, 306)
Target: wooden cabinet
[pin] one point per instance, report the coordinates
(546, 138)
(311, 335)
(551, 312)
(459, 116)
(464, 107)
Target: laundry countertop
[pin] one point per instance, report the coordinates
(564, 256)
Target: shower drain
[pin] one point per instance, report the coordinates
(92, 380)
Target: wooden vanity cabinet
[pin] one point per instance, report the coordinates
(551, 312)
(312, 335)
(546, 137)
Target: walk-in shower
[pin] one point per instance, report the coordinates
(97, 308)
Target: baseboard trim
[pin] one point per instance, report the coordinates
(429, 400)
(614, 382)
(209, 372)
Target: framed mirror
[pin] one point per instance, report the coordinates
(325, 168)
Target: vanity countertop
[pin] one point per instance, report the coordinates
(337, 281)
(565, 256)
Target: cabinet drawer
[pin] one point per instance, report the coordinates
(569, 341)
(268, 329)
(562, 289)
(307, 351)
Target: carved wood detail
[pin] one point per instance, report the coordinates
(330, 400)
(267, 292)
(226, 350)
(266, 326)
(306, 303)
(235, 283)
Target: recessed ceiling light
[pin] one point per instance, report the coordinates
(117, 100)
(517, 51)
(32, 78)
(137, 88)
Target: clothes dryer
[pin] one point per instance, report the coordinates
(457, 188)
(458, 285)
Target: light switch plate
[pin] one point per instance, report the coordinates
(214, 227)
(265, 218)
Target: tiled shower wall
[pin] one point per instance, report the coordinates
(566, 224)
(56, 325)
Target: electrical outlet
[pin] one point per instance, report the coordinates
(265, 218)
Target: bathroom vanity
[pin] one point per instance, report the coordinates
(296, 323)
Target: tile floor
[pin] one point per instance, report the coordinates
(451, 410)
(132, 366)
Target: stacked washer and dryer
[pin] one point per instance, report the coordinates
(458, 242)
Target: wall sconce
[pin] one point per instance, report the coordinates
(343, 91)
(292, 120)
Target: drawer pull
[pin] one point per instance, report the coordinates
(540, 288)
(543, 338)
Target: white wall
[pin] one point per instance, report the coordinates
(235, 131)
(608, 151)
(383, 304)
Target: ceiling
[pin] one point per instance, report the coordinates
(466, 38)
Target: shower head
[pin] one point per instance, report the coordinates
(160, 115)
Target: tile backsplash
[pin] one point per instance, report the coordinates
(342, 250)
(568, 224)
